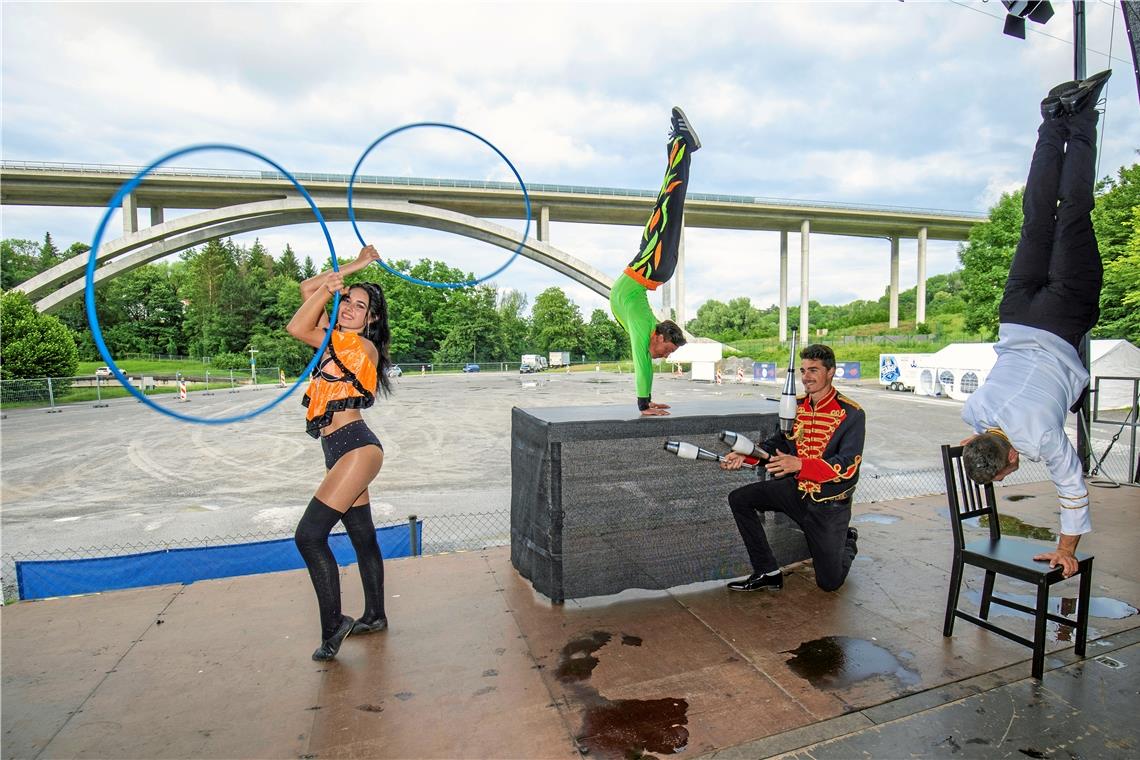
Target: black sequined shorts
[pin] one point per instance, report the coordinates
(346, 438)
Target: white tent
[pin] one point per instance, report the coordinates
(1114, 358)
(703, 354)
(960, 368)
(955, 371)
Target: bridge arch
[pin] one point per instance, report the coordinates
(138, 248)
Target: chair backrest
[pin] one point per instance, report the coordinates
(966, 498)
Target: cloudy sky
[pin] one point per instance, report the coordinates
(916, 104)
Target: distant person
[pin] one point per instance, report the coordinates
(354, 367)
(1052, 298)
(653, 266)
(816, 472)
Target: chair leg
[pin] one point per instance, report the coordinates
(1039, 630)
(1083, 608)
(952, 599)
(987, 595)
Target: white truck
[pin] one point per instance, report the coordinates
(559, 358)
(530, 363)
(900, 372)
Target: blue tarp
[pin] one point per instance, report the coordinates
(39, 579)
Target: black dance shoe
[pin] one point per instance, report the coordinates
(361, 626)
(682, 128)
(330, 646)
(1086, 94)
(756, 582)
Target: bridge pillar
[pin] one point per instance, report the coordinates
(679, 279)
(920, 293)
(805, 238)
(783, 285)
(156, 215)
(544, 223)
(130, 214)
(894, 292)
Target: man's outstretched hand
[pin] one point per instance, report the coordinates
(1059, 558)
(1064, 556)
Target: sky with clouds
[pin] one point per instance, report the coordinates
(915, 104)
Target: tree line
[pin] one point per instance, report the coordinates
(222, 299)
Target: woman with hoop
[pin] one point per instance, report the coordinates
(345, 381)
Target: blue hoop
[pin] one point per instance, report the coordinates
(97, 333)
(485, 141)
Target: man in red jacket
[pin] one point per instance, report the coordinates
(816, 472)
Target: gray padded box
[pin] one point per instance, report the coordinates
(597, 505)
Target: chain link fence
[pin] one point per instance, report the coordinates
(437, 534)
(53, 393)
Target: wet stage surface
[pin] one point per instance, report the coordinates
(476, 664)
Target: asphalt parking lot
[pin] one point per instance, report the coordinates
(127, 476)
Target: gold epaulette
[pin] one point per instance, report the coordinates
(847, 401)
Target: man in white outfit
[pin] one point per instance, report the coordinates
(1051, 299)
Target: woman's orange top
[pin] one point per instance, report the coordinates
(353, 387)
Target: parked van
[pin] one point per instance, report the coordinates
(530, 363)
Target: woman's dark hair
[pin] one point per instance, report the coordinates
(376, 329)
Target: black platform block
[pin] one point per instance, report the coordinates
(598, 506)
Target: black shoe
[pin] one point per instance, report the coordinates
(682, 128)
(1086, 94)
(379, 624)
(1051, 107)
(757, 582)
(852, 534)
(330, 646)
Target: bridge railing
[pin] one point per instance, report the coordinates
(533, 187)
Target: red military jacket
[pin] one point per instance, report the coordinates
(828, 438)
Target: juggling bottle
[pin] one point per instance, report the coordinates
(788, 395)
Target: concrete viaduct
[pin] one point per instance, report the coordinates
(232, 202)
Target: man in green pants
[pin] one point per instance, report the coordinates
(653, 266)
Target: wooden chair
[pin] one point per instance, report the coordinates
(1008, 556)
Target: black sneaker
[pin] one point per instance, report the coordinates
(362, 626)
(756, 582)
(330, 646)
(682, 128)
(1086, 94)
(852, 534)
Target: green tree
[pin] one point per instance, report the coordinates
(288, 264)
(476, 333)
(19, 260)
(49, 255)
(556, 323)
(1113, 221)
(1122, 280)
(140, 312)
(727, 321)
(513, 322)
(605, 338)
(985, 262)
(308, 270)
(33, 344)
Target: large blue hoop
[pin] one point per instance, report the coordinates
(485, 141)
(93, 319)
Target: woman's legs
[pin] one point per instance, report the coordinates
(342, 486)
(362, 532)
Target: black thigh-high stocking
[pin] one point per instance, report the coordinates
(312, 538)
(362, 532)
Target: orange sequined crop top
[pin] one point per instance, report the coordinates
(352, 387)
